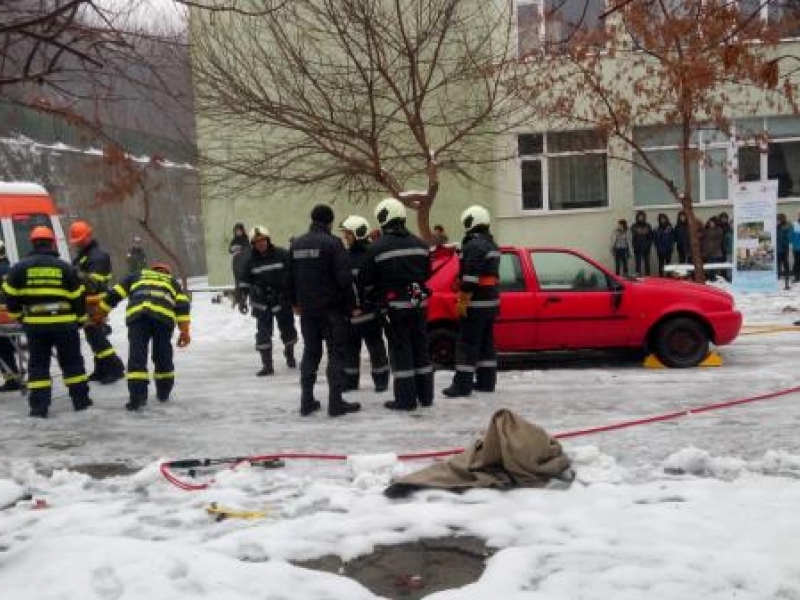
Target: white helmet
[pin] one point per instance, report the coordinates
(474, 216)
(389, 210)
(258, 231)
(358, 225)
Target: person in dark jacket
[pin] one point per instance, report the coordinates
(682, 243)
(477, 306)
(320, 287)
(784, 242)
(156, 303)
(94, 268)
(712, 244)
(664, 238)
(8, 355)
(238, 248)
(263, 279)
(395, 270)
(46, 295)
(366, 326)
(642, 242)
(136, 257)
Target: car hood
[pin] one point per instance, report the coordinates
(677, 286)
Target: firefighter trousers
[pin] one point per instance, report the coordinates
(67, 345)
(106, 361)
(366, 328)
(265, 326)
(330, 328)
(476, 359)
(412, 370)
(141, 333)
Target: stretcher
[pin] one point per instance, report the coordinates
(12, 331)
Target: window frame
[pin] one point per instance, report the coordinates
(541, 38)
(544, 158)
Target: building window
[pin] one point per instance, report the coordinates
(555, 21)
(564, 170)
(776, 158)
(784, 15)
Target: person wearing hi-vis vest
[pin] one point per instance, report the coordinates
(156, 303)
(46, 296)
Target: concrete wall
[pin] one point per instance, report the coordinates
(72, 178)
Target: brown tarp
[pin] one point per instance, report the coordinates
(512, 453)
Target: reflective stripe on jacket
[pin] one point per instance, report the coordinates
(150, 293)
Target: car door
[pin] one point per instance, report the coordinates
(579, 304)
(515, 329)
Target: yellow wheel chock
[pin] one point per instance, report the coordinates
(713, 359)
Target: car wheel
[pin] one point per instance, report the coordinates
(442, 348)
(681, 343)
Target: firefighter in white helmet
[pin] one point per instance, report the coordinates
(478, 304)
(365, 325)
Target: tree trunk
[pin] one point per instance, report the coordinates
(424, 221)
(694, 240)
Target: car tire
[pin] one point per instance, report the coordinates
(681, 343)
(442, 347)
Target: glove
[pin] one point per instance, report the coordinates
(184, 339)
(243, 308)
(462, 303)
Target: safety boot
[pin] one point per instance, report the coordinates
(267, 368)
(337, 408)
(11, 385)
(80, 404)
(288, 353)
(381, 381)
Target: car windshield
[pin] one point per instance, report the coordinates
(23, 225)
(563, 271)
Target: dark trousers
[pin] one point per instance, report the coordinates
(642, 259)
(8, 359)
(265, 326)
(412, 371)
(683, 255)
(328, 328)
(67, 345)
(796, 265)
(783, 264)
(141, 332)
(367, 328)
(664, 258)
(621, 256)
(106, 361)
(476, 359)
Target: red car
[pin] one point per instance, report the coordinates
(559, 299)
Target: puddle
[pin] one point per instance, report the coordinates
(413, 569)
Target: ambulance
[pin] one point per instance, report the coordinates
(24, 206)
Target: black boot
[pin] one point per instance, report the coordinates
(288, 353)
(337, 408)
(381, 381)
(395, 405)
(456, 392)
(350, 382)
(80, 404)
(309, 408)
(135, 404)
(39, 412)
(266, 361)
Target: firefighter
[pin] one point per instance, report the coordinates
(94, 268)
(46, 295)
(478, 304)
(156, 302)
(8, 356)
(366, 324)
(320, 287)
(395, 269)
(263, 278)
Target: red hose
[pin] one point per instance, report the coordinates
(174, 480)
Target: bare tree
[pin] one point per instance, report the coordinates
(356, 97)
(666, 65)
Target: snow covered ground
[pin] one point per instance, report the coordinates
(699, 507)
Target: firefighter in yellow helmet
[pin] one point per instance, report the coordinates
(45, 294)
(156, 304)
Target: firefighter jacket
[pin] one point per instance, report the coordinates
(44, 293)
(264, 279)
(395, 269)
(319, 273)
(368, 303)
(152, 294)
(480, 265)
(94, 267)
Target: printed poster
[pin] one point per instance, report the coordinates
(754, 218)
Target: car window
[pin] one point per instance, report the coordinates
(23, 225)
(567, 272)
(511, 279)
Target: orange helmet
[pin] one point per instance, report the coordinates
(161, 267)
(42, 233)
(80, 232)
